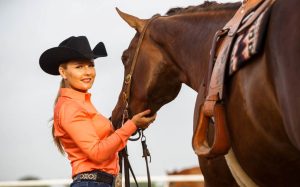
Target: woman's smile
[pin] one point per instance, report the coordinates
(86, 80)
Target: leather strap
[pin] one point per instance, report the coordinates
(212, 60)
(256, 14)
(244, 10)
(146, 153)
(127, 167)
(126, 93)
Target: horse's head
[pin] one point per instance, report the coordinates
(150, 78)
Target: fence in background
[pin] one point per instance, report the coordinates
(156, 180)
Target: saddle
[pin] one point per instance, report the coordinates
(239, 40)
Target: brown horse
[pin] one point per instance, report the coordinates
(262, 100)
(186, 171)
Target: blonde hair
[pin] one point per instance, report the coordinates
(56, 139)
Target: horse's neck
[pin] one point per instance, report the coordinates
(190, 47)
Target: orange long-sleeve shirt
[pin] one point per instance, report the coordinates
(88, 137)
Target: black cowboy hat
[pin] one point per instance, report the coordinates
(72, 48)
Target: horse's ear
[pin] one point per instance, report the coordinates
(134, 22)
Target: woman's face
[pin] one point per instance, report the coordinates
(78, 74)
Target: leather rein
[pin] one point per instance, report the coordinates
(126, 98)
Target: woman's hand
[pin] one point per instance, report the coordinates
(141, 121)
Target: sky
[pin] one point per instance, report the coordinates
(28, 28)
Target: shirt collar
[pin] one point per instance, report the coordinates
(71, 93)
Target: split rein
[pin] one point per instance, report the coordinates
(126, 97)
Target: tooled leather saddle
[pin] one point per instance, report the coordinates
(239, 40)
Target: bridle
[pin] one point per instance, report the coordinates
(128, 78)
(126, 98)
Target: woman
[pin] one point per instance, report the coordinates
(85, 135)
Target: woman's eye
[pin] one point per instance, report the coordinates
(78, 67)
(92, 65)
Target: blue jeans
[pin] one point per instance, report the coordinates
(88, 183)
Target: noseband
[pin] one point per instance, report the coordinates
(126, 97)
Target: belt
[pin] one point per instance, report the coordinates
(98, 176)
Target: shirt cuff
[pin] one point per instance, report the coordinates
(130, 127)
(126, 130)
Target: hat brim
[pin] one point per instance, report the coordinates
(52, 58)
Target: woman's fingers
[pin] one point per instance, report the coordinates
(144, 113)
(142, 121)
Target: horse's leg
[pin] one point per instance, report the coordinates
(216, 172)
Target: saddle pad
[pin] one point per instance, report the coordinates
(248, 42)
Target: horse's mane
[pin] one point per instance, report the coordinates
(206, 6)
